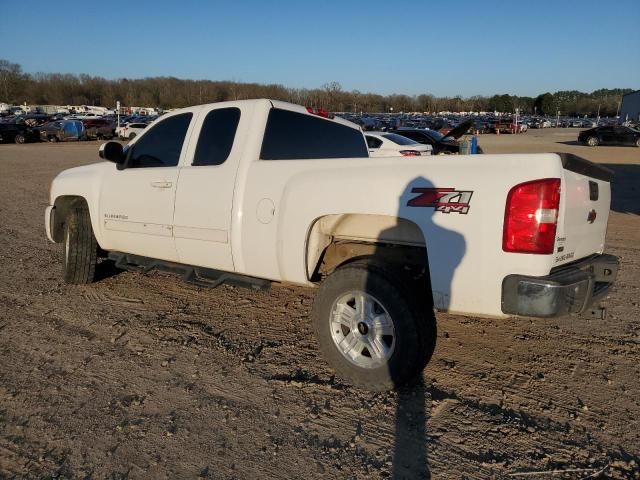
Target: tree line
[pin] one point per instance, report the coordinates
(18, 87)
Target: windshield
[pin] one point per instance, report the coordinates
(399, 139)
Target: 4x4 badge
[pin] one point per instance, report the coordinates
(592, 216)
(444, 200)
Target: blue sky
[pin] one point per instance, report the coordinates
(445, 48)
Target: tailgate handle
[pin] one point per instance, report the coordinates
(593, 191)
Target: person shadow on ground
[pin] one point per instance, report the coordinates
(419, 203)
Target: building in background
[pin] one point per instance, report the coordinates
(630, 107)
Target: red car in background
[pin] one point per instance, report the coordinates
(507, 125)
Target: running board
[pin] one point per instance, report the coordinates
(200, 276)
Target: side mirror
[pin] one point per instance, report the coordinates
(113, 152)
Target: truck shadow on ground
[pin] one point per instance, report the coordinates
(625, 187)
(410, 458)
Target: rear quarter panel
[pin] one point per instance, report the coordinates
(465, 254)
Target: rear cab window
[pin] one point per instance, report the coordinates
(298, 136)
(216, 136)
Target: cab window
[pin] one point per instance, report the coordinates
(216, 137)
(298, 136)
(161, 145)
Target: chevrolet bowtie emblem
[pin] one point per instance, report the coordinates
(592, 216)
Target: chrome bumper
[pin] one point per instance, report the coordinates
(568, 289)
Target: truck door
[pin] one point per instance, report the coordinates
(137, 202)
(204, 199)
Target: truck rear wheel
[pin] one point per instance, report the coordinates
(370, 328)
(80, 249)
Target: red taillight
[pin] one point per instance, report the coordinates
(531, 217)
(320, 112)
(410, 153)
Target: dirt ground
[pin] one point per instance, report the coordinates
(145, 376)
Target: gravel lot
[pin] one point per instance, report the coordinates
(144, 376)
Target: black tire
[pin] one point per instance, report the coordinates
(638, 143)
(413, 322)
(53, 139)
(79, 248)
(593, 141)
(20, 139)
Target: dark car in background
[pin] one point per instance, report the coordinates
(18, 133)
(618, 135)
(99, 128)
(62, 131)
(442, 144)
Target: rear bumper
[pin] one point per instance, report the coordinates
(569, 289)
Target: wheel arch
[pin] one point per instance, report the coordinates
(63, 204)
(338, 239)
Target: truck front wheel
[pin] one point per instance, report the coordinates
(80, 249)
(372, 330)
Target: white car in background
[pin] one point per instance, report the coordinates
(385, 144)
(130, 130)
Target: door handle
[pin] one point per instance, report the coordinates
(161, 184)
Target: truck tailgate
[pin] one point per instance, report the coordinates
(586, 194)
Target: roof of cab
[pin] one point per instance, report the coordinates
(268, 104)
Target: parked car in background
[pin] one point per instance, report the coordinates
(610, 136)
(62, 131)
(442, 144)
(33, 119)
(18, 133)
(480, 127)
(130, 130)
(508, 125)
(385, 144)
(99, 128)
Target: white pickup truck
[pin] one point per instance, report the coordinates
(261, 191)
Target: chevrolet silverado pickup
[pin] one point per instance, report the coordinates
(258, 192)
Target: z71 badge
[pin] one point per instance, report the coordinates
(445, 200)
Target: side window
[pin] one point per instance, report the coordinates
(291, 135)
(162, 144)
(216, 137)
(373, 142)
